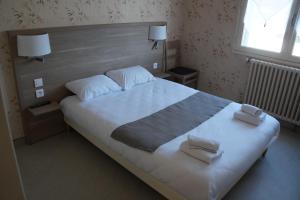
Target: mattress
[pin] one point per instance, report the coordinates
(242, 143)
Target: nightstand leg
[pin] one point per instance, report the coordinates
(68, 129)
(264, 153)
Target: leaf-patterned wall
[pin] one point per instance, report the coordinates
(207, 46)
(24, 14)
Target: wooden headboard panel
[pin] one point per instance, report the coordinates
(79, 52)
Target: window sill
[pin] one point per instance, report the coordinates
(289, 62)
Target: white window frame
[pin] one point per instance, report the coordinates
(285, 56)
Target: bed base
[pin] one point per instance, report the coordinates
(148, 179)
(163, 189)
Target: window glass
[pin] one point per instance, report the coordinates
(296, 50)
(265, 24)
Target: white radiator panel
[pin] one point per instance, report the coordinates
(276, 89)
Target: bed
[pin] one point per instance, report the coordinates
(168, 170)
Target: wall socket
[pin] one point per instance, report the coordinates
(38, 82)
(155, 65)
(39, 93)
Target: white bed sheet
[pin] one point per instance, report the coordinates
(242, 143)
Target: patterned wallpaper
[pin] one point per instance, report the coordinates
(24, 14)
(207, 46)
(205, 27)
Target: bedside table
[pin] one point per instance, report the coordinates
(163, 75)
(185, 76)
(42, 122)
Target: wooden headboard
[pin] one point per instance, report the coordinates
(79, 52)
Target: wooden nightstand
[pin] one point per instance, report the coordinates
(42, 122)
(163, 75)
(185, 76)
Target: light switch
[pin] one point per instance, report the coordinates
(39, 93)
(155, 65)
(38, 82)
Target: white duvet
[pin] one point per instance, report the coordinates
(242, 143)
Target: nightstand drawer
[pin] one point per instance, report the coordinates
(42, 128)
(41, 125)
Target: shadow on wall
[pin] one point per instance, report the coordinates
(10, 182)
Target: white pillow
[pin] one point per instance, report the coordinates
(131, 76)
(89, 88)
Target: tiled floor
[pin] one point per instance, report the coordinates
(69, 167)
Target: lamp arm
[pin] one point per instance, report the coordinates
(155, 45)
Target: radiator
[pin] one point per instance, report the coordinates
(275, 89)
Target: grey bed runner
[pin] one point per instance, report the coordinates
(151, 132)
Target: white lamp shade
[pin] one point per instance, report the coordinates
(33, 45)
(158, 33)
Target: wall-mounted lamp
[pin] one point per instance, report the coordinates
(157, 33)
(33, 46)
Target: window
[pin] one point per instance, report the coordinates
(270, 28)
(296, 50)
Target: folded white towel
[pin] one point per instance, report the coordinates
(252, 110)
(199, 154)
(242, 116)
(198, 142)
